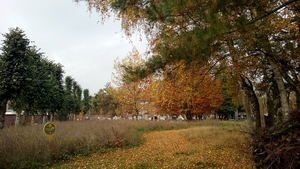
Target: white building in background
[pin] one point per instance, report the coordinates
(10, 111)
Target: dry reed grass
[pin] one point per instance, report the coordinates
(28, 147)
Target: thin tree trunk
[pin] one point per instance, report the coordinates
(262, 108)
(32, 119)
(44, 119)
(17, 120)
(52, 117)
(24, 119)
(248, 111)
(2, 113)
(40, 120)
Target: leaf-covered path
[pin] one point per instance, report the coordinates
(174, 149)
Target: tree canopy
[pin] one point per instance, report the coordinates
(250, 41)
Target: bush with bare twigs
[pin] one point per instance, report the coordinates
(279, 146)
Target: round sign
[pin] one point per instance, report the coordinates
(49, 129)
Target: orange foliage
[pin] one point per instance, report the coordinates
(188, 88)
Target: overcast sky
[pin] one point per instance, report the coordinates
(68, 34)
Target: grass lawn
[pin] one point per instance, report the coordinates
(207, 145)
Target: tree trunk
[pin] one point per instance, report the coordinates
(2, 113)
(188, 115)
(249, 91)
(265, 46)
(297, 92)
(52, 117)
(248, 111)
(44, 119)
(40, 120)
(262, 108)
(273, 104)
(24, 119)
(236, 115)
(17, 120)
(280, 84)
(32, 119)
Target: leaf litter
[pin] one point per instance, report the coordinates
(198, 147)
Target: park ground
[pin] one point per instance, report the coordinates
(196, 147)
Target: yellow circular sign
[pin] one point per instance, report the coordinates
(49, 130)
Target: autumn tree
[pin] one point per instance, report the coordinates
(256, 31)
(188, 89)
(130, 91)
(261, 47)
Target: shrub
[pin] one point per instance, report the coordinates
(279, 145)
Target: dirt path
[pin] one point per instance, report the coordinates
(164, 149)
